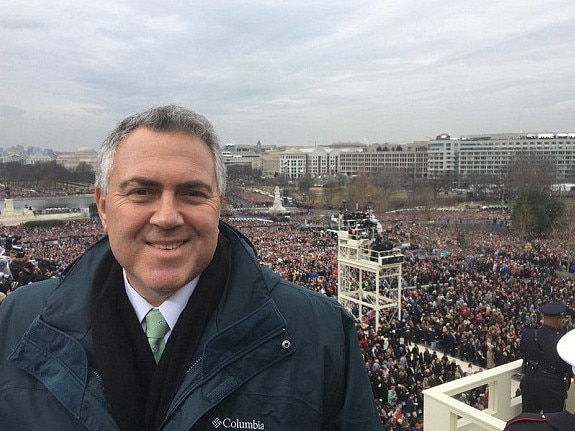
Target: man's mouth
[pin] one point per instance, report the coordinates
(166, 246)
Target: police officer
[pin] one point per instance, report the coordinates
(560, 421)
(546, 376)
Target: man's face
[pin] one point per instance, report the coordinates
(161, 210)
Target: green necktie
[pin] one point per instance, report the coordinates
(156, 328)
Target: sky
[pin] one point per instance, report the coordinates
(287, 72)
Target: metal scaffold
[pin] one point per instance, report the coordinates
(369, 269)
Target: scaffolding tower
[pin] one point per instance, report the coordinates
(369, 269)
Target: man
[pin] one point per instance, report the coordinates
(244, 349)
(5, 262)
(546, 376)
(559, 421)
(29, 274)
(5, 283)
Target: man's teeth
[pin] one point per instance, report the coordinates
(167, 246)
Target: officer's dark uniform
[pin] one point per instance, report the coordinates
(546, 376)
(561, 421)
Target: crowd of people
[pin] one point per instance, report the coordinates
(16, 191)
(47, 250)
(470, 302)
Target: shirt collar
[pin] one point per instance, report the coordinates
(171, 308)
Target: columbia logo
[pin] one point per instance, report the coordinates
(238, 424)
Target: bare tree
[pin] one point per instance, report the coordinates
(530, 171)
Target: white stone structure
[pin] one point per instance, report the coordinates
(277, 207)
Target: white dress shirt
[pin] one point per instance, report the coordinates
(171, 308)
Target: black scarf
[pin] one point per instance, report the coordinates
(138, 390)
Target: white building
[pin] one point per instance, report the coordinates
(411, 158)
(299, 162)
(71, 160)
(493, 154)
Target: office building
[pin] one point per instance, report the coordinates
(494, 155)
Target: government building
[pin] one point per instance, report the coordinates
(461, 159)
(495, 154)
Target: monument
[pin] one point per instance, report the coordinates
(277, 207)
(11, 217)
(9, 207)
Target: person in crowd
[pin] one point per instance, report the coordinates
(391, 396)
(546, 375)
(416, 426)
(5, 283)
(17, 264)
(5, 262)
(170, 322)
(29, 274)
(558, 421)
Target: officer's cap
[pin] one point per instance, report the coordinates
(553, 308)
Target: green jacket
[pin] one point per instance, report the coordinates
(274, 356)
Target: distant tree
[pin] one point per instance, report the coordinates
(238, 172)
(83, 173)
(536, 213)
(423, 195)
(388, 179)
(443, 182)
(332, 192)
(363, 190)
(39, 175)
(280, 180)
(530, 171)
(10, 172)
(305, 183)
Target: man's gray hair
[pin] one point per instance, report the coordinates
(169, 118)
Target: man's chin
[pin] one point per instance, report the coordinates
(163, 288)
(167, 282)
(162, 283)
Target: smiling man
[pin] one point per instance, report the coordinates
(170, 323)
(161, 208)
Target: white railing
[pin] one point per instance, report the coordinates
(444, 412)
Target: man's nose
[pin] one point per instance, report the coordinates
(167, 213)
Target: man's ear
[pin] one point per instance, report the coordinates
(100, 199)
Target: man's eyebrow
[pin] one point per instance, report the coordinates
(138, 181)
(197, 185)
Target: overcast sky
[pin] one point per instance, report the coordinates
(287, 72)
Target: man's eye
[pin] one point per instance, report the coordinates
(195, 194)
(141, 192)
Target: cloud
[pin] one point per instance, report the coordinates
(287, 71)
(10, 112)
